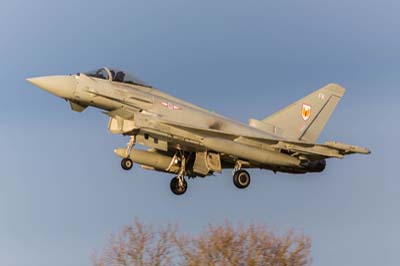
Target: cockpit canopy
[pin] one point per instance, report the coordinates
(116, 75)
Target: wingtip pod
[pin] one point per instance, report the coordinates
(347, 148)
(360, 150)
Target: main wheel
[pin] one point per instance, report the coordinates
(241, 179)
(176, 188)
(126, 164)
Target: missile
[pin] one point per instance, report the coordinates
(249, 153)
(150, 159)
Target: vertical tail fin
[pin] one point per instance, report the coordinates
(306, 118)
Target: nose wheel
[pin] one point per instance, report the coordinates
(126, 164)
(241, 179)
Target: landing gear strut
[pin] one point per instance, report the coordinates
(178, 184)
(127, 163)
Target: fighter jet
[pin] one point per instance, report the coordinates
(189, 141)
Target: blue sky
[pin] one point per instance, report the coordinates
(62, 191)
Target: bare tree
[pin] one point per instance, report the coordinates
(221, 245)
(138, 245)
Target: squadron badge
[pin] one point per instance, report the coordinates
(305, 111)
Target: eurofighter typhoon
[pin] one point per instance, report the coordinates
(189, 141)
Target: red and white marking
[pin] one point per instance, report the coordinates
(170, 106)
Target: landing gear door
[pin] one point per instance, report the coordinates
(207, 162)
(118, 125)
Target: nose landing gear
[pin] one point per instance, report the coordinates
(127, 163)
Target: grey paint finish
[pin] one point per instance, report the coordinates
(187, 135)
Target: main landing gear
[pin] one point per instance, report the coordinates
(178, 184)
(241, 178)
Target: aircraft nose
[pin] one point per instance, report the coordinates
(61, 86)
